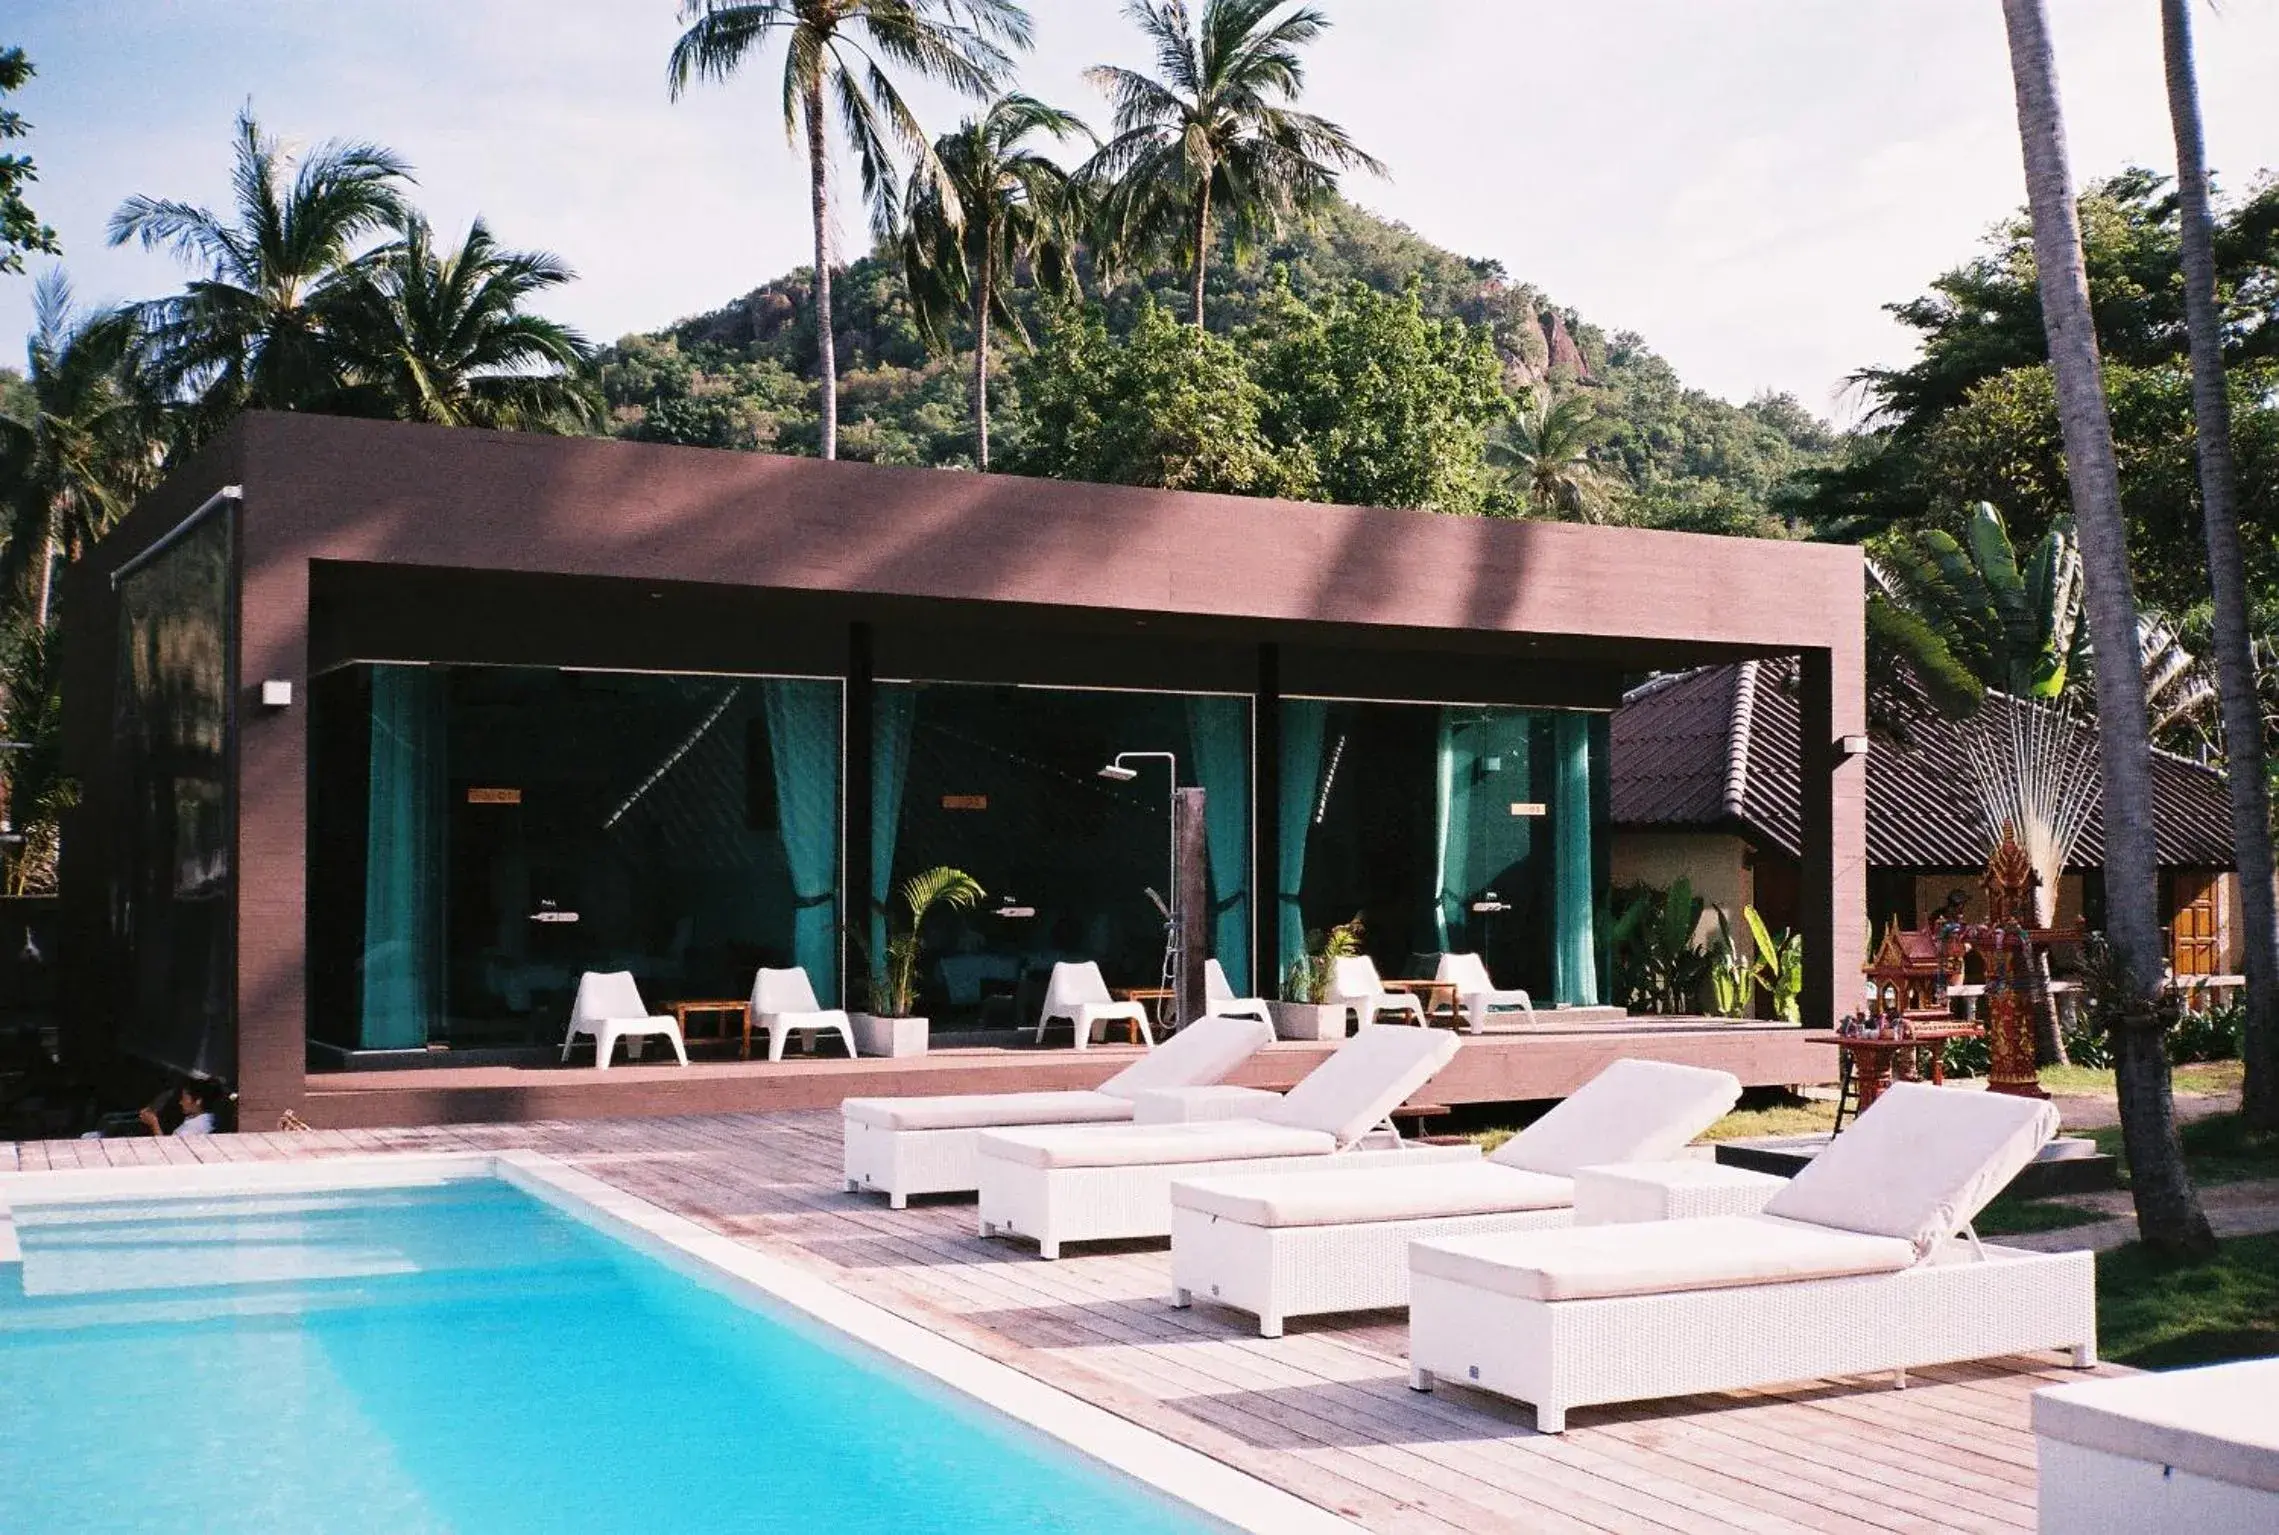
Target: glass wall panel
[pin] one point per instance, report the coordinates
(1445, 828)
(1003, 782)
(481, 836)
(173, 914)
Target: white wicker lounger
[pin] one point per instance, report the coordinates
(1281, 1244)
(1086, 1183)
(906, 1146)
(1854, 1267)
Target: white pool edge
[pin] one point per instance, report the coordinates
(1176, 1471)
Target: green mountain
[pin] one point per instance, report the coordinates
(742, 375)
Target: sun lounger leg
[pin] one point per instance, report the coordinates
(1269, 1325)
(1047, 1249)
(1550, 1420)
(2085, 1356)
(898, 1201)
(988, 1229)
(1419, 1380)
(1182, 1299)
(1899, 1379)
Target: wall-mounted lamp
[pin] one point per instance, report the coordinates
(1852, 746)
(276, 694)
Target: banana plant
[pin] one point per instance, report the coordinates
(1658, 965)
(1779, 966)
(1732, 974)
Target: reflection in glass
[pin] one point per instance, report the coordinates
(173, 920)
(481, 836)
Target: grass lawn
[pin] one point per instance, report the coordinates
(2158, 1315)
(1786, 1116)
(2217, 1149)
(2087, 1082)
(2014, 1217)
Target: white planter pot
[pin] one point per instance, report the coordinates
(888, 1036)
(1307, 1020)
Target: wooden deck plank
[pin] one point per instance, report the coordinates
(1323, 1412)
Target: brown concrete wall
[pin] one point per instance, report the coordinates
(1320, 579)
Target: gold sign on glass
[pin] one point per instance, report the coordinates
(479, 796)
(965, 802)
(1529, 807)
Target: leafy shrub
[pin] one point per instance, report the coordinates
(2214, 1035)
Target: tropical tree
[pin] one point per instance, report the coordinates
(836, 56)
(1967, 614)
(20, 228)
(2168, 1209)
(1547, 452)
(997, 204)
(35, 787)
(1213, 135)
(251, 331)
(2234, 652)
(72, 465)
(420, 334)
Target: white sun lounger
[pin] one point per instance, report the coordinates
(2182, 1450)
(1087, 1183)
(1854, 1267)
(905, 1146)
(1281, 1244)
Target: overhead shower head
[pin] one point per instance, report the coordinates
(1116, 772)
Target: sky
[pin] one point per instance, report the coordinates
(1746, 183)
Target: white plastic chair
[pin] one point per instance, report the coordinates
(1078, 993)
(1219, 997)
(609, 1008)
(1354, 983)
(1476, 994)
(783, 1001)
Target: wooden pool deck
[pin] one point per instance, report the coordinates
(1325, 1411)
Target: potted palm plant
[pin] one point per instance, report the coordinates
(894, 1027)
(1303, 1012)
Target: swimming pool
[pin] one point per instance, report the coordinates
(464, 1354)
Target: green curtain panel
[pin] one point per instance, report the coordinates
(1574, 947)
(1452, 829)
(894, 709)
(402, 862)
(1218, 733)
(803, 738)
(1305, 721)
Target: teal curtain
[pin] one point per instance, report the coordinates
(1305, 721)
(803, 739)
(1452, 829)
(402, 862)
(1574, 947)
(1218, 735)
(894, 708)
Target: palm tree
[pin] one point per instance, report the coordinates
(74, 466)
(2168, 1209)
(441, 336)
(836, 54)
(1547, 450)
(250, 331)
(2235, 658)
(1970, 610)
(1215, 136)
(1017, 205)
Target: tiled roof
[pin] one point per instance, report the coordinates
(1718, 748)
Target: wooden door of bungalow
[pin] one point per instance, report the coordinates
(2196, 942)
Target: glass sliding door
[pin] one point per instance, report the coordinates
(481, 836)
(1444, 828)
(1004, 783)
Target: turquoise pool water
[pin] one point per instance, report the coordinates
(465, 1358)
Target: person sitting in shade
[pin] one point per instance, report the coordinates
(196, 1100)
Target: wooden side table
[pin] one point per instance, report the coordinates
(1435, 996)
(737, 1005)
(1877, 1061)
(1155, 996)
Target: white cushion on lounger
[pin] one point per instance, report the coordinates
(1634, 1111)
(981, 1110)
(1219, 1140)
(1919, 1164)
(1203, 1052)
(1656, 1257)
(2220, 1421)
(1364, 1079)
(1361, 1195)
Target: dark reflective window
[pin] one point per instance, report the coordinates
(482, 836)
(172, 913)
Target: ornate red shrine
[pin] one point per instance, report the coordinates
(2009, 943)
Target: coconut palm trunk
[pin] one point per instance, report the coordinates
(47, 578)
(819, 203)
(1202, 247)
(2169, 1217)
(982, 295)
(2235, 662)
